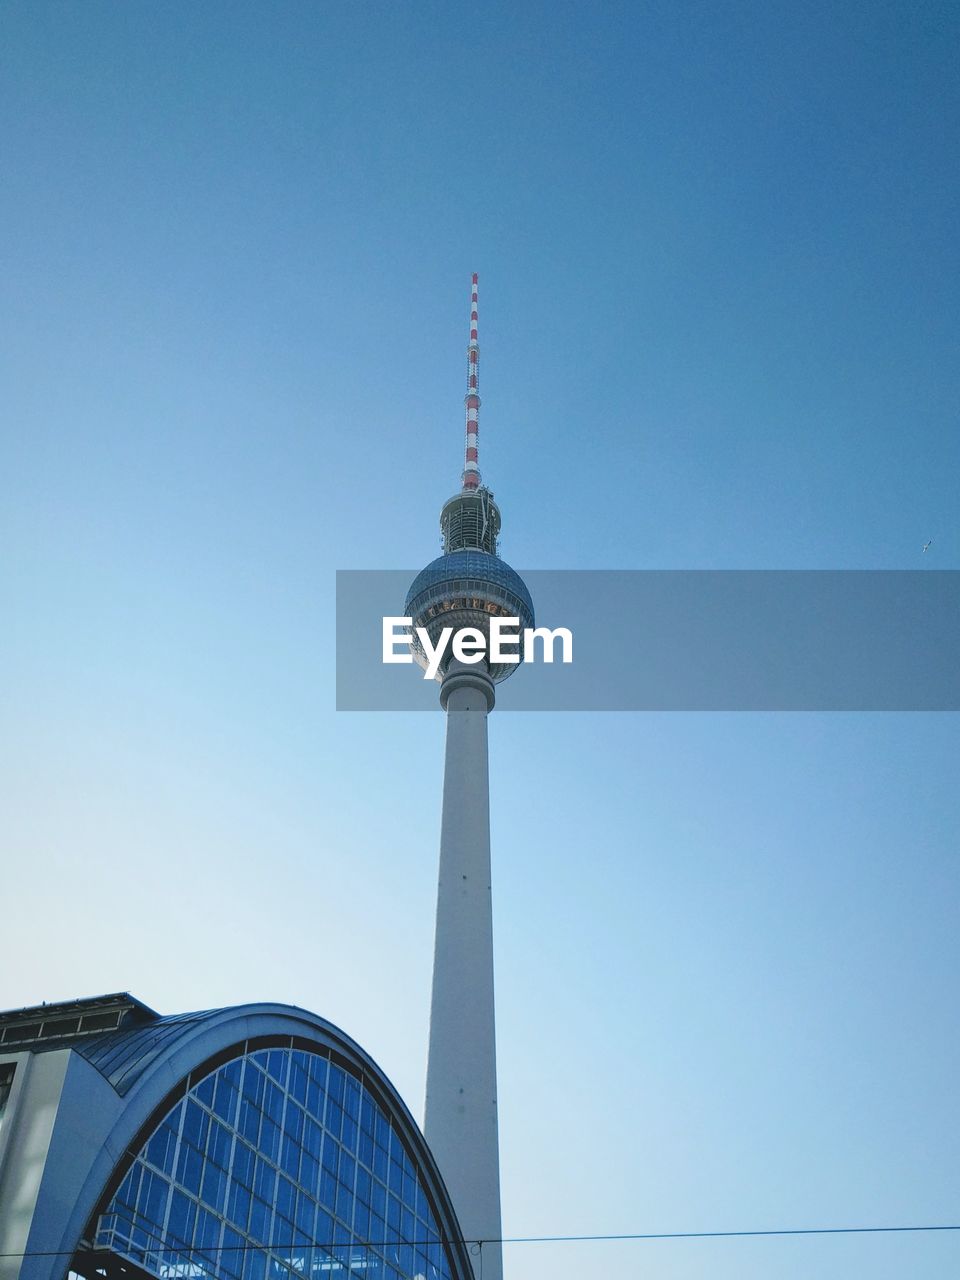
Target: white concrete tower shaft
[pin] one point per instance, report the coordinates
(460, 1121)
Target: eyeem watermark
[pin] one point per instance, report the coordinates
(469, 644)
(685, 640)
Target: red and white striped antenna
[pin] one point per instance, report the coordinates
(471, 472)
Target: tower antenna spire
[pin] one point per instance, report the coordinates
(471, 472)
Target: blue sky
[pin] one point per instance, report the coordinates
(718, 279)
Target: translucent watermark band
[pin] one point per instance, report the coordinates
(690, 640)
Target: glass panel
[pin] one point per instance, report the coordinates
(196, 1123)
(162, 1148)
(204, 1090)
(226, 1097)
(219, 1143)
(183, 1214)
(7, 1071)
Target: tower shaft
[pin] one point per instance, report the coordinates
(460, 1122)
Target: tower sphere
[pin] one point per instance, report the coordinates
(465, 588)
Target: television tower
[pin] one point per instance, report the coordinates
(464, 587)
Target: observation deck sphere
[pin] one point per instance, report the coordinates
(465, 589)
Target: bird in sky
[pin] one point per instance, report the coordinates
(927, 545)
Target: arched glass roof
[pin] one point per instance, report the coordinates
(277, 1164)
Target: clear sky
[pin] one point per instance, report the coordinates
(718, 261)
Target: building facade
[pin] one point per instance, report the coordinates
(250, 1143)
